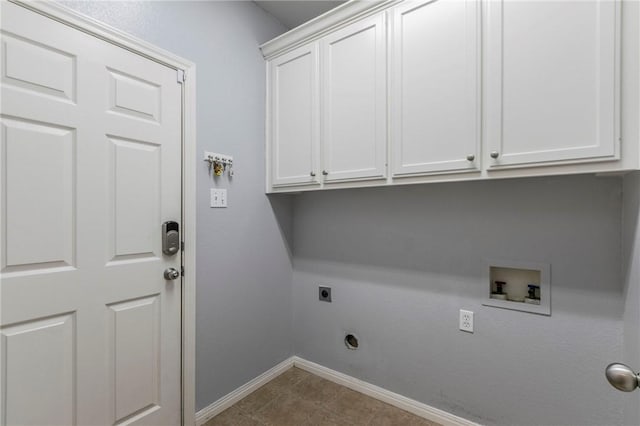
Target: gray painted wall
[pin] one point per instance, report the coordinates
(399, 275)
(244, 266)
(403, 261)
(631, 272)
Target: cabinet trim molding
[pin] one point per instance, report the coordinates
(328, 22)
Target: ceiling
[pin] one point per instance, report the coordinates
(292, 13)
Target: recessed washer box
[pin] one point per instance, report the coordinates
(518, 285)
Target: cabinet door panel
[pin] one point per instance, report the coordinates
(354, 102)
(294, 117)
(435, 111)
(551, 82)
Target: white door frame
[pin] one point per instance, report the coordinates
(114, 36)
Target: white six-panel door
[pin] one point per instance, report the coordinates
(435, 86)
(551, 82)
(90, 158)
(354, 131)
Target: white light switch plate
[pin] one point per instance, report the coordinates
(218, 198)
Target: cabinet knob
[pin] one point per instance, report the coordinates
(494, 154)
(312, 174)
(471, 157)
(324, 172)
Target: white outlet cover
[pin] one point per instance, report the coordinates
(218, 198)
(466, 321)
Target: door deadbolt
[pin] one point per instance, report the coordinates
(170, 238)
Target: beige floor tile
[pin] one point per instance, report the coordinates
(354, 406)
(287, 380)
(286, 410)
(258, 399)
(392, 416)
(298, 398)
(322, 417)
(232, 417)
(317, 390)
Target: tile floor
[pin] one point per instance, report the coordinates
(299, 398)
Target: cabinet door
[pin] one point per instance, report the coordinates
(293, 113)
(435, 106)
(552, 85)
(354, 101)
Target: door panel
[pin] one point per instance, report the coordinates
(40, 352)
(135, 198)
(91, 151)
(294, 116)
(551, 96)
(354, 101)
(54, 77)
(35, 237)
(135, 339)
(435, 111)
(134, 97)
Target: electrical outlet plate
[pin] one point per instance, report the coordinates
(466, 321)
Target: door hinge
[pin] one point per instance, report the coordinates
(182, 245)
(182, 271)
(181, 76)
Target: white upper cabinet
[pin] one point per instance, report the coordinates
(354, 101)
(435, 86)
(294, 129)
(552, 87)
(402, 92)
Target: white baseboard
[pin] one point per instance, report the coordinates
(397, 400)
(418, 408)
(228, 400)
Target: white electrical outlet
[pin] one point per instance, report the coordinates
(466, 321)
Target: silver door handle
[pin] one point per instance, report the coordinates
(622, 377)
(171, 274)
